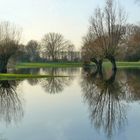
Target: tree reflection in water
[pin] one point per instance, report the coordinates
(11, 109)
(104, 97)
(54, 84)
(133, 82)
(34, 71)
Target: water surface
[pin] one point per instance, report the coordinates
(83, 106)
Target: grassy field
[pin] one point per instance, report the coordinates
(124, 65)
(23, 76)
(128, 64)
(52, 65)
(76, 64)
(120, 65)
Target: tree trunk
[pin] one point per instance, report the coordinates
(53, 57)
(100, 68)
(96, 63)
(3, 64)
(113, 61)
(100, 65)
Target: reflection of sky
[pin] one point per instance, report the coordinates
(131, 130)
(54, 117)
(69, 17)
(63, 116)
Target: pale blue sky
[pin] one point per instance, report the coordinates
(69, 17)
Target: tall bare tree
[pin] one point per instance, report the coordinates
(70, 50)
(9, 43)
(107, 27)
(53, 44)
(33, 50)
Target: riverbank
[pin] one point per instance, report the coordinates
(75, 64)
(9, 76)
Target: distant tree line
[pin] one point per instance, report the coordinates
(109, 37)
(53, 47)
(132, 43)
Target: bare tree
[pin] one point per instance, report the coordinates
(107, 28)
(9, 43)
(70, 51)
(33, 49)
(133, 43)
(91, 50)
(53, 44)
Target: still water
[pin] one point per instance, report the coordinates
(83, 106)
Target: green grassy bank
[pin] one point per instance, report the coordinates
(23, 76)
(128, 64)
(76, 64)
(49, 65)
(120, 65)
(124, 65)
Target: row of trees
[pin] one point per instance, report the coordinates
(110, 37)
(53, 47)
(132, 43)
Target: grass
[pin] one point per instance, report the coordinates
(120, 65)
(23, 76)
(123, 65)
(49, 65)
(128, 64)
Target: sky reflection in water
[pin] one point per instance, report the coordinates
(84, 106)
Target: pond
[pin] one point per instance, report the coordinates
(82, 106)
